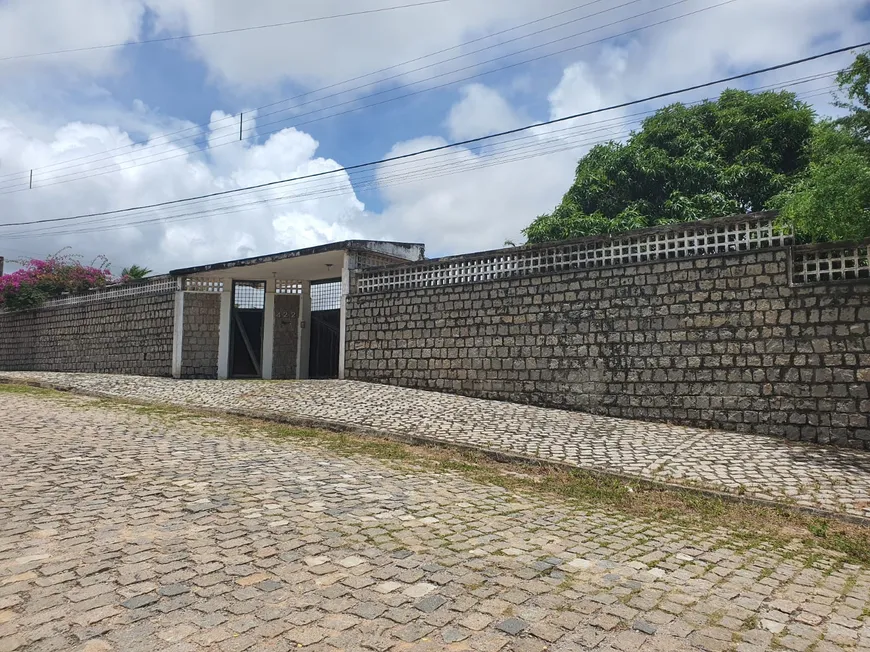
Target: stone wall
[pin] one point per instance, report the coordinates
(124, 336)
(719, 342)
(201, 317)
(286, 342)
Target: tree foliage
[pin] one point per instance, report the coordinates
(687, 163)
(854, 83)
(831, 201)
(740, 153)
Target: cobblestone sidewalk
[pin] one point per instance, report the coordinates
(752, 465)
(124, 531)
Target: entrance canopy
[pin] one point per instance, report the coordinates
(310, 264)
(279, 316)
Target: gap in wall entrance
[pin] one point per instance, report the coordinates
(246, 328)
(325, 329)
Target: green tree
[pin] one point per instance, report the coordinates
(831, 202)
(687, 163)
(854, 82)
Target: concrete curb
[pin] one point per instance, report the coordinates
(315, 423)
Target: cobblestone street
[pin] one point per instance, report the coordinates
(835, 480)
(124, 529)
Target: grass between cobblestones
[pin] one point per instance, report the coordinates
(749, 524)
(11, 388)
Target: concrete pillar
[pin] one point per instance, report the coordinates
(178, 330)
(304, 343)
(268, 331)
(349, 264)
(224, 331)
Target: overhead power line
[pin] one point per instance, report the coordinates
(543, 139)
(375, 180)
(446, 164)
(462, 143)
(538, 138)
(227, 139)
(235, 30)
(232, 118)
(158, 157)
(443, 170)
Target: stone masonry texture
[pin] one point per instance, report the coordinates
(286, 337)
(122, 336)
(718, 342)
(199, 353)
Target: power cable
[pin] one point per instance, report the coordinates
(144, 160)
(539, 139)
(583, 130)
(454, 144)
(235, 30)
(450, 165)
(233, 118)
(231, 138)
(449, 169)
(450, 145)
(374, 181)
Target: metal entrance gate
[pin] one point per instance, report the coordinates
(325, 329)
(246, 342)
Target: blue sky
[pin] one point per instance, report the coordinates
(160, 70)
(75, 118)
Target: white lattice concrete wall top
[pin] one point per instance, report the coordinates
(712, 237)
(831, 262)
(192, 284)
(211, 285)
(156, 285)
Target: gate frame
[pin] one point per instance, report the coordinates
(339, 281)
(233, 324)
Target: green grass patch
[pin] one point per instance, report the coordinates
(342, 443)
(8, 388)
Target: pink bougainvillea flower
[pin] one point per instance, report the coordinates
(38, 280)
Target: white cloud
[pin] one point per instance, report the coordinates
(501, 187)
(471, 209)
(311, 54)
(723, 41)
(589, 86)
(28, 27)
(481, 111)
(744, 33)
(237, 225)
(480, 208)
(462, 200)
(297, 230)
(321, 53)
